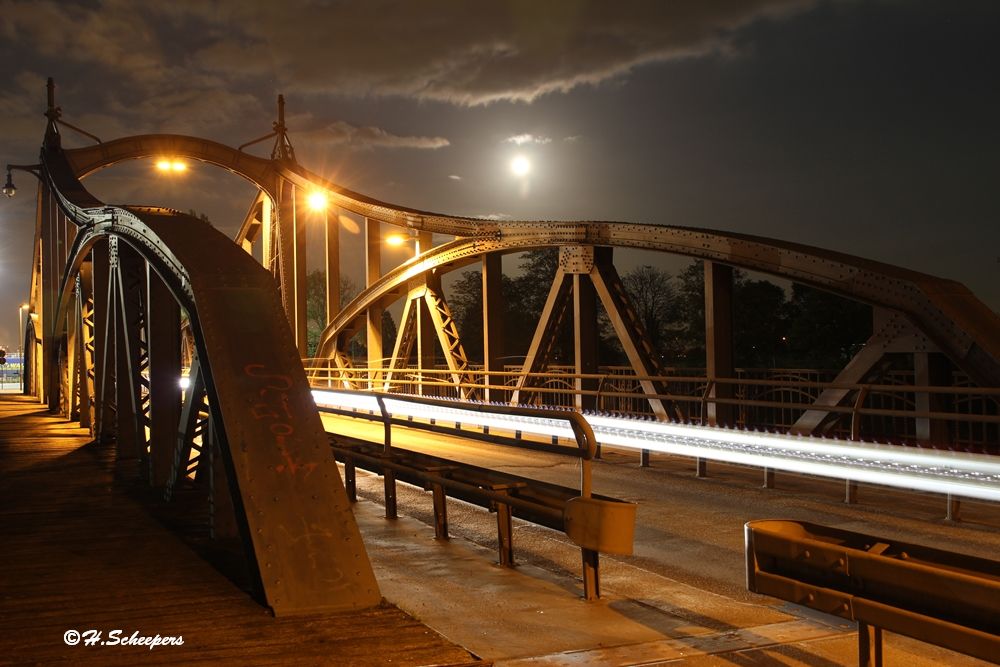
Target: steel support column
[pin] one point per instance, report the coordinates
(373, 271)
(104, 343)
(494, 309)
(584, 340)
(331, 225)
(129, 327)
(292, 263)
(719, 341)
(86, 346)
(930, 369)
(425, 334)
(164, 329)
(49, 385)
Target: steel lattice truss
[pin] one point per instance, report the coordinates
(123, 297)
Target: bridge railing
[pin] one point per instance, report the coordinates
(936, 596)
(963, 417)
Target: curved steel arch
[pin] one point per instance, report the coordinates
(289, 501)
(944, 310)
(85, 161)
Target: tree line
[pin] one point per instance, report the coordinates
(773, 326)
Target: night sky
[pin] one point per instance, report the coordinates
(871, 128)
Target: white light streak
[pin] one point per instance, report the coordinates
(956, 473)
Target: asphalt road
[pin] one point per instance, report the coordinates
(689, 553)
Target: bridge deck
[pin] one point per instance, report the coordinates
(82, 551)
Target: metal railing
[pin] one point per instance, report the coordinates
(594, 523)
(963, 417)
(936, 596)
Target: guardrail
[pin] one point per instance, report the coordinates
(936, 596)
(963, 416)
(595, 523)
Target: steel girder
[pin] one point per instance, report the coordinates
(964, 328)
(946, 312)
(302, 542)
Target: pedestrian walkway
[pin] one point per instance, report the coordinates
(82, 551)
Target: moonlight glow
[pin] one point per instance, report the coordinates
(520, 166)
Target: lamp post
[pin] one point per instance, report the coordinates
(20, 339)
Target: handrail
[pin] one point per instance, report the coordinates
(582, 432)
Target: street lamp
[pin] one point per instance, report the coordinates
(8, 188)
(171, 165)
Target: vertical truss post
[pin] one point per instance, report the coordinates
(425, 335)
(584, 340)
(104, 367)
(86, 346)
(163, 316)
(331, 225)
(130, 353)
(73, 357)
(299, 219)
(46, 315)
(373, 271)
(719, 341)
(268, 247)
(494, 311)
(930, 369)
(288, 270)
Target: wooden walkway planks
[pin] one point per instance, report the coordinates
(81, 552)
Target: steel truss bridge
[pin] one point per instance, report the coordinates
(124, 299)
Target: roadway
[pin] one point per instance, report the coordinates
(681, 596)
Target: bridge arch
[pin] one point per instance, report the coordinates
(943, 310)
(247, 423)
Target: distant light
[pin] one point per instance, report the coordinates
(317, 201)
(24, 306)
(395, 240)
(166, 166)
(184, 383)
(520, 166)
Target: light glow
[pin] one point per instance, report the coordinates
(184, 383)
(520, 166)
(167, 165)
(956, 473)
(317, 201)
(395, 240)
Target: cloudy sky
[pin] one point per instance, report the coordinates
(865, 127)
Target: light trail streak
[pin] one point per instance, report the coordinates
(955, 473)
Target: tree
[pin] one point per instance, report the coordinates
(466, 303)
(316, 304)
(825, 330)
(652, 296)
(759, 323)
(690, 307)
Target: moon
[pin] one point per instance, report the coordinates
(520, 166)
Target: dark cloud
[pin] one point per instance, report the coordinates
(465, 53)
(341, 133)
